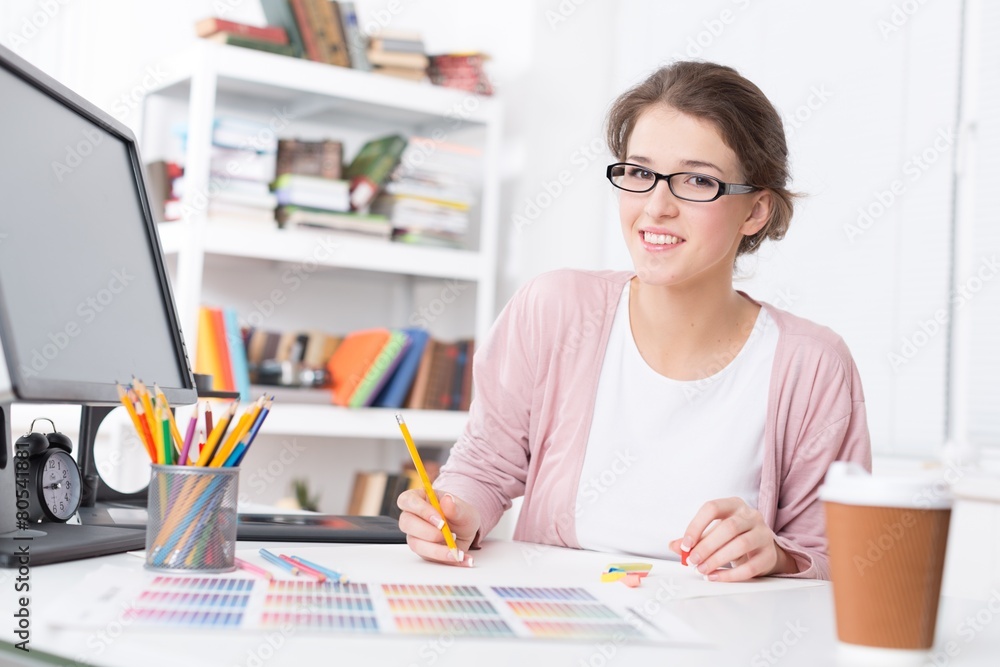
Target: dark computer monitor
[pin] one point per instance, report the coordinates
(84, 295)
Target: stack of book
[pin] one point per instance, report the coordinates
(429, 197)
(241, 166)
(269, 38)
(371, 168)
(375, 492)
(313, 195)
(443, 380)
(164, 200)
(221, 352)
(399, 54)
(460, 70)
(363, 369)
(320, 30)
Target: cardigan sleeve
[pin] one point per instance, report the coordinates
(834, 428)
(488, 464)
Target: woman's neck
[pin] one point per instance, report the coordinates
(684, 333)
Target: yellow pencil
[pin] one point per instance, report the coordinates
(174, 431)
(241, 429)
(133, 415)
(147, 407)
(205, 456)
(431, 496)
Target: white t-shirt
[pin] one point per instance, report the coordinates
(660, 448)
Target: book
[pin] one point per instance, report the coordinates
(417, 61)
(372, 166)
(352, 360)
(207, 359)
(233, 39)
(312, 192)
(397, 45)
(377, 374)
(279, 13)
(213, 25)
(222, 349)
(394, 393)
(293, 217)
(321, 158)
(356, 42)
(237, 353)
(418, 391)
(329, 33)
(305, 23)
(401, 73)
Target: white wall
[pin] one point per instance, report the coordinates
(881, 86)
(861, 97)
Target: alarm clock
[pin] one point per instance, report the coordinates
(53, 481)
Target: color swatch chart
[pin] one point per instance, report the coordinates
(215, 602)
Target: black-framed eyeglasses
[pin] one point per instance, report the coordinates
(686, 185)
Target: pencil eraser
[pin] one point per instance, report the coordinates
(632, 580)
(684, 557)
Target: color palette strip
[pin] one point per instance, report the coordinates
(318, 621)
(438, 606)
(318, 602)
(589, 631)
(425, 591)
(481, 627)
(293, 586)
(202, 583)
(176, 599)
(556, 610)
(544, 593)
(176, 617)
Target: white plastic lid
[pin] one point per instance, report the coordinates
(851, 484)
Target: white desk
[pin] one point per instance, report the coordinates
(765, 623)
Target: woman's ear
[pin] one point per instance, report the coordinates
(759, 214)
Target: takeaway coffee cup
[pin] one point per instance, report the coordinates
(887, 538)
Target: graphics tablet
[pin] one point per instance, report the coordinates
(266, 527)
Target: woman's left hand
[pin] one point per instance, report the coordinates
(740, 537)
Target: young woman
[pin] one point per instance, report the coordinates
(660, 412)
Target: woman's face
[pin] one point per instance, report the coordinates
(676, 242)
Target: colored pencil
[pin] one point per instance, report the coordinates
(333, 575)
(213, 438)
(425, 480)
(250, 567)
(304, 569)
(268, 556)
(174, 431)
(123, 396)
(189, 437)
(241, 450)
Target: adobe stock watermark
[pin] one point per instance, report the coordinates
(87, 310)
(263, 140)
(292, 278)
(912, 170)
(263, 476)
(124, 104)
(429, 312)
(703, 40)
(928, 329)
(591, 491)
(639, 618)
(33, 24)
(779, 648)
(562, 13)
(816, 100)
(893, 531)
(899, 16)
(970, 627)
(552, 189)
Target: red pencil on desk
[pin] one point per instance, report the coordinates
(305, 569)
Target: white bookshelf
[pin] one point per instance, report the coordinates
(360, 281)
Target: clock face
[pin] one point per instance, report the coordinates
(59, 485)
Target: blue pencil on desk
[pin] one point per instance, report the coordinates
(332, 575)
(273, 558)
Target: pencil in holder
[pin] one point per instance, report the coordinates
(191, 521)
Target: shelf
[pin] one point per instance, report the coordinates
(329, 421)
(309, 87)
(341, 251)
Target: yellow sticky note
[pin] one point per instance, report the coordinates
(631, 567)
(612, 576)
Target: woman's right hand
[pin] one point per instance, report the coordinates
(422, 525)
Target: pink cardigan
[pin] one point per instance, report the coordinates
(536, 384)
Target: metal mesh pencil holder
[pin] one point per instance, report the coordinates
(191, 521)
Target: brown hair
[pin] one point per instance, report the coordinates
(746, 119)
